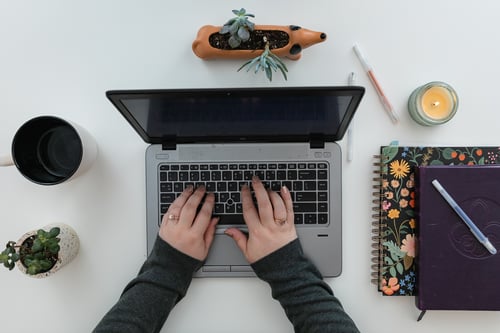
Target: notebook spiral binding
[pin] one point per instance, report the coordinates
(377, 195)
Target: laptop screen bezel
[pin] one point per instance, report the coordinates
(355, 92)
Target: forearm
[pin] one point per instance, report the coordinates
(308, 301)
(148, 299)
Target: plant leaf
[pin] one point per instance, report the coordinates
(243, 34)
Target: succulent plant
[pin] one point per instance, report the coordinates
(238, 27)
(9, 256)
(267, 62)
(38, 253)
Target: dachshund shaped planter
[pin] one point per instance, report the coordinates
(285, 41)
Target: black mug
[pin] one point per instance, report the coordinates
(49, 150)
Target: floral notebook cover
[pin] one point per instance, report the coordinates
(394, 225)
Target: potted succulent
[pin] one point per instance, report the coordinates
(42, 252)
(239, 38)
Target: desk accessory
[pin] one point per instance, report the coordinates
(455, 271)
(432, 104)
(239, 38)
(394, 219)
(48, 150)
(378, 88)
(40, 253)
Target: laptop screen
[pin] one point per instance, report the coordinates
(239, 114)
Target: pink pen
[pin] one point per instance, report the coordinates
(383, 98)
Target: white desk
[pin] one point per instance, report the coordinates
(59, 57)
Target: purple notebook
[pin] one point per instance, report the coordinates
(455, 271)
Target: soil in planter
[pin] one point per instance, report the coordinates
(277, 39)
(26, 250)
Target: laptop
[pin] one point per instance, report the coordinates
(222, 137)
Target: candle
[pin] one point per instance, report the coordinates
(433, 103)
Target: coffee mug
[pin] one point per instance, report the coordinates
(49, 150)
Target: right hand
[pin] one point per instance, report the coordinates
(270, 227)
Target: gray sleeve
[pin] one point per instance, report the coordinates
(308, 301)
(148, 299)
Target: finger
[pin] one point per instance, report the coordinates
(279, 209)
(287, 200)
(250, 214)
(263, 202)
(174, 211)
(210, 232)
(203, 217)
(239, 238)
(188, 212)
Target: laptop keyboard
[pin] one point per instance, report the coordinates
(307, 182)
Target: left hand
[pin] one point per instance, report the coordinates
(184, 229)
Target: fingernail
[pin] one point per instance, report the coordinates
(255, 178)
(189, 188)
(284, 189)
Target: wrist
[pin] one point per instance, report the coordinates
(282, 259)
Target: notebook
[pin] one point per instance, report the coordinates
(232, 133)
(455, 271)
(394, 221)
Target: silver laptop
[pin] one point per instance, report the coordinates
(222, 137)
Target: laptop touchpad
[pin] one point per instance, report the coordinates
(225, 252)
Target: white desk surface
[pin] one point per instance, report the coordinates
(59, 57)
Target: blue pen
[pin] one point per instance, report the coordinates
(473, 228)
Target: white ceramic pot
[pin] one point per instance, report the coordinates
(69, 244)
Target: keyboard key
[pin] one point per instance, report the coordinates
(304, 207)
(322, 218)
(310, 186)
(305, 196)
(322, 196)
(310, 219)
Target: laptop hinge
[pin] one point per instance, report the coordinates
(169, 143)
(316, 141)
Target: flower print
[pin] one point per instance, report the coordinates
(395, 183)
(389, 195)
(386, 205)
(412, 223)
(412, 200)
(479, 152)
(461, 157)
(385, 183)
(390, 287)
(399, 169)
(409, 246)
(393, 214)
(403, 203)
(404, 192)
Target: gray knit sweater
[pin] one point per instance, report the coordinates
(165, 277)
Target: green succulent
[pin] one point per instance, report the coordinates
(9, 256)
(238, 27)
(37, 257)
(267, 62)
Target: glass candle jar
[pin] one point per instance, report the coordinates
(432, 104)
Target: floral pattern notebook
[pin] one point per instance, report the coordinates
(394, 225)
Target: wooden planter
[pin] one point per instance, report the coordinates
(292, 40)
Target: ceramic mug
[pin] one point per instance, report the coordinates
(49, 150)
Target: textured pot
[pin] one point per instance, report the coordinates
(298, 39)
(69, 246)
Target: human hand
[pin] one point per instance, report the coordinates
(184, 229)
(270, 227)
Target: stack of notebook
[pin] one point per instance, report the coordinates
(395, 221)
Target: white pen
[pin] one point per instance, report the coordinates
(383, 98)
(350, 144)
(473, 228)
